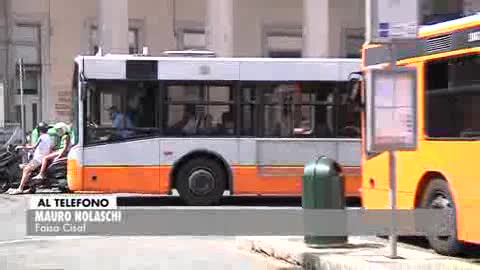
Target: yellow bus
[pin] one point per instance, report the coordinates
(442, 172)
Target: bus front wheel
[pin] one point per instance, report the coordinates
(438, 196)
(201, 181)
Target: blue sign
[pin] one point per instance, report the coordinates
(383, 26)
(384, 29)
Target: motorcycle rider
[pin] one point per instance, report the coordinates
(42, 148)
(61, 151)
(35, 134)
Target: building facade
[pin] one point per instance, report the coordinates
(48, 34)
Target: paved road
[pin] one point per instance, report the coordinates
(129, 253)
(17, 251)
(12, 217)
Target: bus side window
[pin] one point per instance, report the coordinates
(196, 109)
(452, 91)
(303, 109)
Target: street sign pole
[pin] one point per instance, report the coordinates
(393, 204)
(22, 110)
(392, 239)
(388, 22)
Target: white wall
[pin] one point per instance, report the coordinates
(344, 14)
(70, 22)
(70, 32)
(253, 17)
(157, 16)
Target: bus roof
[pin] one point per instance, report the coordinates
(121, 67)
(449, 26)
(212, 59)
(434, 40)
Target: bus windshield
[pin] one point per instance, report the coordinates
(75, 103)
(120, 110)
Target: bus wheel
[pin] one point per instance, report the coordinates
(201, 181)
(438, 196)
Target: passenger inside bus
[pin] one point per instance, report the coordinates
(208, 122)
(204, 124)
(189, 123)
(141, 104)
(226, 126)
(284, 127)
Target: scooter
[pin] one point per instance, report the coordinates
(11, 173)
(55, 177)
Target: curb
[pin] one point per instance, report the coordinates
(361, 255)
(312, 262)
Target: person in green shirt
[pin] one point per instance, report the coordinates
(54, 135)
(52, 131)
(63, 133)
(34, 136)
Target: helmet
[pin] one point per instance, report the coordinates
(62, 127)
(42, 127)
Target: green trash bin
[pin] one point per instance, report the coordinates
(323, 188)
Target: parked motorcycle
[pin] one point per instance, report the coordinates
(11, 173)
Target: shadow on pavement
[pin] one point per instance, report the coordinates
(273, 201)
(227, 201)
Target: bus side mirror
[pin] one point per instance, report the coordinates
(354, 87)
(83, 88)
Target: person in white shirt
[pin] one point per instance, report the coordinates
(43, 147)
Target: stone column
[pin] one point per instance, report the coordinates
(219, 27)
(3, 61)
(113, 25)
(316, 24)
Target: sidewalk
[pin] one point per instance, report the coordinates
(359, 254)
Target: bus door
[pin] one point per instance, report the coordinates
(300, 123)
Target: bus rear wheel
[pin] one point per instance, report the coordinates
(438, 196)
(201, 182)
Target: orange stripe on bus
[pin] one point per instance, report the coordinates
(294, 170)
(141, 179)
(74, 175)
(270, 180)
(248, 181)
(438, 56)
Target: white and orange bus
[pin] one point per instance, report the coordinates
(208, 126)
(442, 172)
